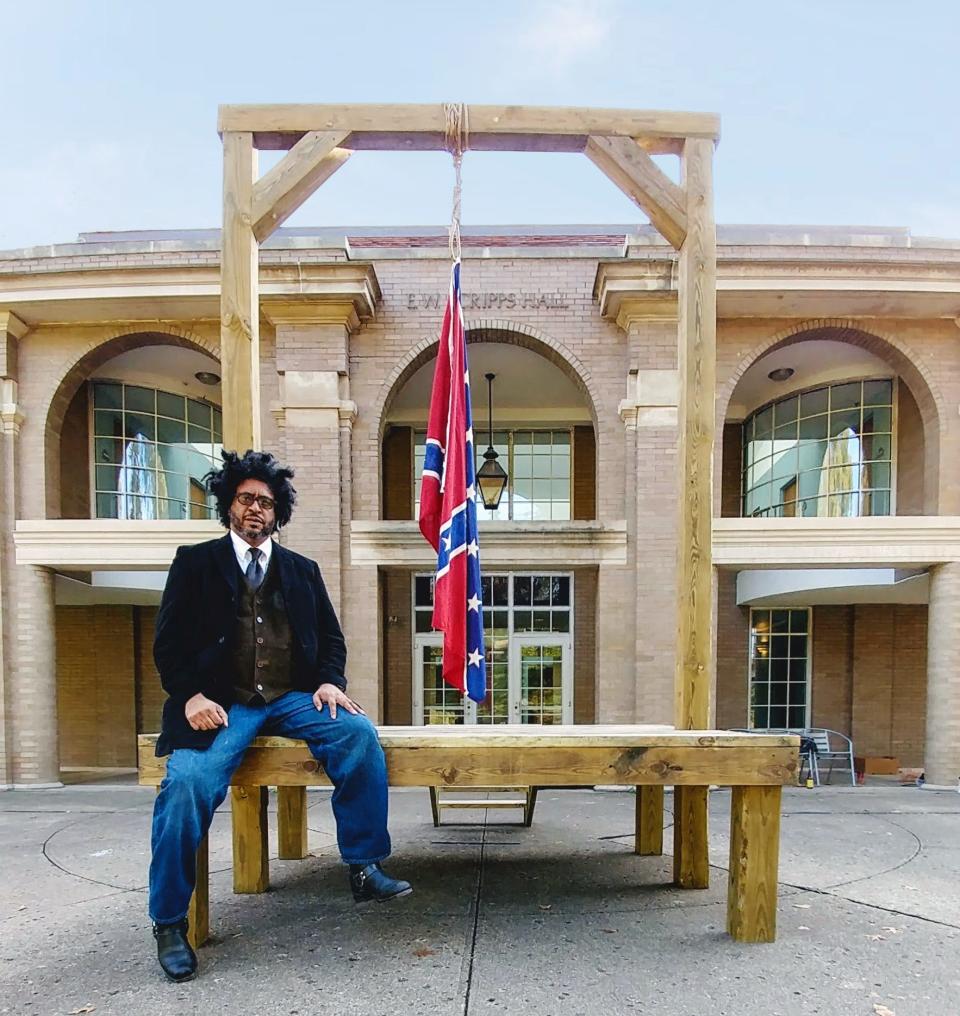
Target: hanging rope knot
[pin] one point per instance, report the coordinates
(457, 134)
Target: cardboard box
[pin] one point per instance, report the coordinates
(876, 765)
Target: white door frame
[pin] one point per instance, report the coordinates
(550, 638)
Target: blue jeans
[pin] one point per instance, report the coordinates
(196, 784)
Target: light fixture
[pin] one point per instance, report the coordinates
(491, 479)
(207, 377)
(781, 374)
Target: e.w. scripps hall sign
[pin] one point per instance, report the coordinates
(515, 300)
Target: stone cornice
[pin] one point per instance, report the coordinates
(503, 544)
(345, 291)
(629, 291)
(894, 542)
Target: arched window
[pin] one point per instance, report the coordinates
(824, 452)
(151, 450)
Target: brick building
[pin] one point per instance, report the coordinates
(837, 478)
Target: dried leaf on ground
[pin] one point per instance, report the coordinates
(802, 906)
(81, 1011)
(424, 951)
(882, 1010)
(545, 906)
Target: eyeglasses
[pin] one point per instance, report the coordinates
(247, 499)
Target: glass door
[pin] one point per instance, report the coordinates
(542, 679)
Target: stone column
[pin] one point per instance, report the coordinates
(316, 416)
(942, 751)
(12, 329)
(649, 413)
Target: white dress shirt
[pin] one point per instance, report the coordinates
(242, 549)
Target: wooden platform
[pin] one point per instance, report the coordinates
(756, 766)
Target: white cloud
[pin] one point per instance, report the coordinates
(561, 33)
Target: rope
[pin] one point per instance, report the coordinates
(457, 133)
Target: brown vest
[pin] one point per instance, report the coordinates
(263, 642)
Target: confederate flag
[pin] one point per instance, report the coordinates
(448, 511)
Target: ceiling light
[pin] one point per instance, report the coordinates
(207, 377)
(781, 374)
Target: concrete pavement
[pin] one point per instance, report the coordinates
(559, 918)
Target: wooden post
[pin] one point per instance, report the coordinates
(198, 915)
(697, 367)
(754, 860)
(649, 821)
(239, 297)
(251, 861)
(697, 355)
(691, 860)
(292, 822)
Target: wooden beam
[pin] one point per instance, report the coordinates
(198, 915)
(281, 191)
(292, 822)
(251, 862)
(649, 821)
(239, 298)
(420, 127)
(642, 180)
(691, 858)
(697, 355)
(754, 861)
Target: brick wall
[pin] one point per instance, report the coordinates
(832, 667)
(75, 459)
(733, 633)
(150, 695)
(96, 697)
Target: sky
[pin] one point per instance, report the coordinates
(842, 112)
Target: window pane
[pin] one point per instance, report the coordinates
(561, 620)
(541, 620)
(798, 621)
(778, 694)
(876, 474)
(780, 620)
(423, 591)
(814, 428)
(786, 411)
(106, 506)
(108, 449)
(501, 590)
(814, 402)
(560, 591)
(198, 413)
(139, 400)
(797, 716)
(171, 431)
(107, 423)
(778, 716)
(139, 426)
(171, 405)
(845, 421)
(522, 590)
(875, 420)
(107, 396)
(877, 393)
(201, 437)
(541, 591)
(845, 396)
(106, 477)
(522, 620)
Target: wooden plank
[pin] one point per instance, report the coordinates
(408, 121)
(641, 179)
(292, 822)
(282, 190)
(684, 765)
(251, 862)
(754, 860)
(434, 805)
(697, 301)
(239, 298)
(649, 821)
(691, 859)
(559, 736)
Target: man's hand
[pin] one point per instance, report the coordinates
(205, 714)
(332, 696)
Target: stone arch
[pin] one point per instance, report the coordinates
(490, 330)
(888, 347)
(98, 351)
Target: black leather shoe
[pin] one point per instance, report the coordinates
(177, 958)
(373, 883)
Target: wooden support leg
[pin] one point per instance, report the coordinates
(434, 807)
(292, 822)
(649, 832)
(251, 864)
(198, 916)
(530, 805)
(691, 860)
(754, 859)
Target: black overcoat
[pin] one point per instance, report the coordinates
(196, 628)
